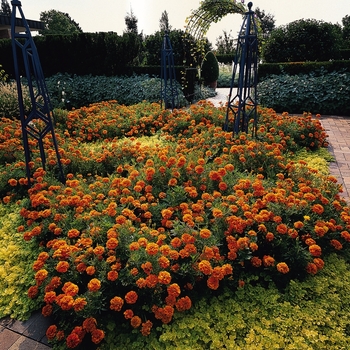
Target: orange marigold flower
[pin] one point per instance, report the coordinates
(112, 275)
(51, 332)
(40, 276)
(282, 267)
(217, 213)
(151, 281)
(89, 324)
(70, 289)
(47, 310)
(336, 244)
(112, 243)
(152, 248)
(319, 263)
(79, 304)
(204, 233)
(345, 235)
(12, 182)
(73, 233)
(94, 285)
(135, 321)
(318, 209)
(227, 269)
(268, 260)
(213, 283)
(73, 340)
(146, 328)
(311, 268)
(128, 314)
(255, 261)
(163, 262)
(270, 236)
(205, 267)
(147, 267)
(164, 277)
(33, 292)
(183, 304)
(90, 270)
(62, 266)
(298, 225)
(65, 302)
(97, 336)
(131, 297)
(174, 290)
(176, 242)
(315, 250)
(282, 229)
(116, 303)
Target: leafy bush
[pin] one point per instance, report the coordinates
(225, 76)
(303, 40)
(324, 94)
(209, 68)
(68, 91)
(9, 99)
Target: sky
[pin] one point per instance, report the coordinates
(108, 15)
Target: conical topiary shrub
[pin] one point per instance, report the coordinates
(210, 70)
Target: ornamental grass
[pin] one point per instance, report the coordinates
(161, 207)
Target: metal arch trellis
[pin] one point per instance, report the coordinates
(37, 122)
(243, 105)
(169, 92)
(198, 23)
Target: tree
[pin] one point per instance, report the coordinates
(131, 23)
(226, 43)
(346, 31)
(267, 21)
(5, 8)
(164, 22)
(303, 40)
(57, 22)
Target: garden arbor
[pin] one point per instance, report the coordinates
(211, 11)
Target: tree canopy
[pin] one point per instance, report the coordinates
(5, 8)
(57, 22)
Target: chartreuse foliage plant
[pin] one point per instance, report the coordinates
(16, 261)
(161, 209)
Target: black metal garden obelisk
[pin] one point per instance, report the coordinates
(37, 122)
(169, 92)
(243, 104)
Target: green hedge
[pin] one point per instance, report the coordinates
(327, 93)
(292, 68)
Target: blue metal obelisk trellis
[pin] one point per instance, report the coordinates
(243, 104)
(169, 92)
(37, 122)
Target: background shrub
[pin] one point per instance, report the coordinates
(324, 94)
(303, 40)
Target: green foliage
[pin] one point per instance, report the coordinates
(210, 68)
(225, 76)
(57, 22)
(303, 40)
(324, 94)
(76, 91)
(3, 75)
(225, 43)
(16, 259)
(9, 99)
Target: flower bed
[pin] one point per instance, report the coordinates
(160, 206)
